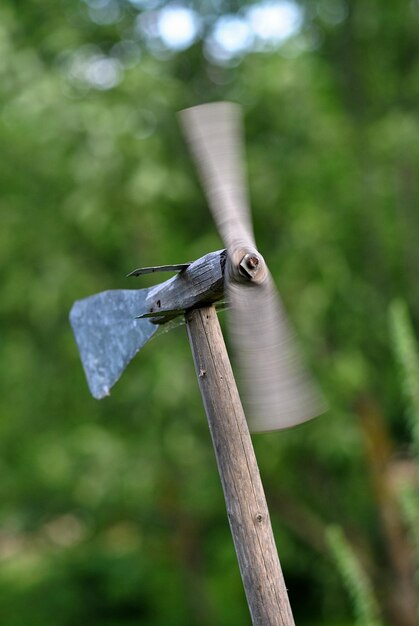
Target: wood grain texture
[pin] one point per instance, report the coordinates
(247, 509)
(201, 283)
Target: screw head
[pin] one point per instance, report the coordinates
(251, 261)
(251, 267)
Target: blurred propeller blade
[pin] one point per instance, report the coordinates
(215, 137)
(277, 391)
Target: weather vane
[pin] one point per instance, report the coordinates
(112, 326)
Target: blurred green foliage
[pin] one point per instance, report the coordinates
(111, 512)
(358, 584)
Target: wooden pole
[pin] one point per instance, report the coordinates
(247, 510)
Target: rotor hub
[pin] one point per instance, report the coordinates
(247, 266)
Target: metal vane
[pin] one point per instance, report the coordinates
(108, 334)
(140, 271)
(112, 326)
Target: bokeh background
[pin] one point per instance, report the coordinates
(111, 512)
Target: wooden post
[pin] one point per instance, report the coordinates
(247, 510)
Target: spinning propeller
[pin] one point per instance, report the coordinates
(276, 389)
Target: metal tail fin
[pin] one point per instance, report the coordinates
(109, 335)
